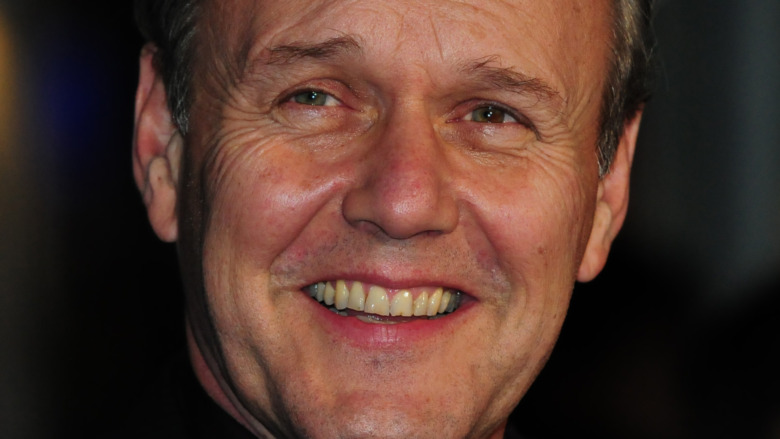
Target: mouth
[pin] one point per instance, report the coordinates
(376, 304)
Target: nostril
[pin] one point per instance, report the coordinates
(404, 186)
(369, 227)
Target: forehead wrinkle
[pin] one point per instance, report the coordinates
(435, 30)
(290, 54)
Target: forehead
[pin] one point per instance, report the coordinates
(563, 41)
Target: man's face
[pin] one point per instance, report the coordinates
(414, 150)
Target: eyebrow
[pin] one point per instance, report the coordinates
(483, 70)
(500, 77)
(505, 78)
(330, 48)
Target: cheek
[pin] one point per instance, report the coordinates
(537, 223)
(565, 220)
(259, 204)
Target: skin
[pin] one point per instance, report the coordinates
(394, 182)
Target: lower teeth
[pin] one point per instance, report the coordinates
(374, 318)
(341, 313)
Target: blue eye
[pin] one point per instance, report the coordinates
(313, 98)
(490, 114)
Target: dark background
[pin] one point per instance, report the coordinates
(678, 338)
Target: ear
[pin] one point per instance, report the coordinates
(611, 204)
(157, 149)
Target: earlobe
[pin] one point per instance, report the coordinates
(611, 204)
(157, 149)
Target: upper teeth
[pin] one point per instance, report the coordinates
(429, 302)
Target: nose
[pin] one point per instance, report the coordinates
(404, 189)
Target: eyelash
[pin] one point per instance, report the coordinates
(517, 118)
(290, 98)
(494, 106)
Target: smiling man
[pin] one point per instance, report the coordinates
(381, 207)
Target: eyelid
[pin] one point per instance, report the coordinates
(335, 88)
(507, 112)
(470, 107)
(290, 97)
(519, 118)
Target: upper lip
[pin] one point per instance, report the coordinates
(393, 268)
(400, 282)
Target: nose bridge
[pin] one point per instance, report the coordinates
(405, 192)
(408, 160)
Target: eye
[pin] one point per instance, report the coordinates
(490, 114)
(314, 98)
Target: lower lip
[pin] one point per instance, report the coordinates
(383, 335)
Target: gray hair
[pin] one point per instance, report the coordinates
(171, 25)
(630, 80)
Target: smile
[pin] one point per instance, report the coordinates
(372, 303)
